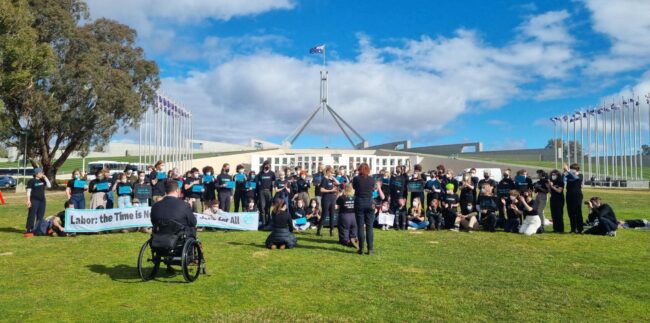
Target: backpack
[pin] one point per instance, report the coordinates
(42, 227)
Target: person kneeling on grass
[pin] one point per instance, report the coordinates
(281, 227)
(347, 218)
(602, 216)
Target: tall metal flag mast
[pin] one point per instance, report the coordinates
(324, 106)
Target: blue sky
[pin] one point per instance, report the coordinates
(430, 71)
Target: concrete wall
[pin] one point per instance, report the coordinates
(519, 154)
(445, 150)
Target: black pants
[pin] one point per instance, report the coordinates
(347, 228)
(240, 199)
(365, 216)
(435, 221)
(224, 200)
(35, 214)
(329, 204)
(604, 226)
(574, 209)
(265, 206)
(490, 221)
(501, 220)
(557, 214)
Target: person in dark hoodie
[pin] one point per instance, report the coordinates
(602, 216)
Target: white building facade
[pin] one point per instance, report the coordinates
(310, 161)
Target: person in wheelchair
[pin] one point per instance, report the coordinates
(172, 219)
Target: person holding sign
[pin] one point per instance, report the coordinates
(75, 190)
(240, 188)
(194, 190)
(416, 184)
(251, 188)
(225, 185)
(142, 189)
(209, 195)
(329, 190)
(36, 200)
(124, 191)
(157, 178)
(98, 189)
(302, 186)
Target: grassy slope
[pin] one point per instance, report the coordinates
(421, 276)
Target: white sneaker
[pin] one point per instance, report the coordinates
(454, 229)
(612, 234)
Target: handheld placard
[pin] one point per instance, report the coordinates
(79, 183)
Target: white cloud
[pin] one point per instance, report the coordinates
(412, 90)
(625, 23)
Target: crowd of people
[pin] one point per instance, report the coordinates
(353, 203)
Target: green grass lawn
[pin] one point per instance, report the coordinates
(414, 276)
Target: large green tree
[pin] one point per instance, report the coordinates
(99, 83)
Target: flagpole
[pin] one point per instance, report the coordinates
(582, 142)
(612, 127)
(575, 141)
(555, 140)
(561, 141)
(589, 143)
(605, 150)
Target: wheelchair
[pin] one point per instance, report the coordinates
(171, 249)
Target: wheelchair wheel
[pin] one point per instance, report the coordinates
(192, 260)
(148, 262)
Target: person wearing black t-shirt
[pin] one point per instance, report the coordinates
(487, 206)
(75, 190)
(398, 187)
(208, 181)
(124, 191)
(240, 188)
(450, 202)
(281, 228)
(556, 187)
(347, 218)
(514, 211)
(251, 187)
(302, 187)
(157, 179)
(434, 215)
(36, 200)
(417, 181)
(487, 179)
(573, 179)
(265, 183)
(224, 192)
(317, 180)
(401, 214)
(505, 185)
(363, 185)
(604, 217)
(98, 189)
(541, 190)
(194, 190)
(467, 191)
(329, 189)
(282, 187)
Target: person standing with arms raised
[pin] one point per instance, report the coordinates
(364, 185)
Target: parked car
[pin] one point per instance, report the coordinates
(7, 181)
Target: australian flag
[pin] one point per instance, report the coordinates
(317, 50)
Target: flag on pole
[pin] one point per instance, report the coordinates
(317, 50)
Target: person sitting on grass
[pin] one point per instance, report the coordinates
(299, 215)
(450, 205)
(251, 206)
(281, 236)
(313, 213)
(602, 216)
(385, 219)
(466, 219)
(488, 206)
(434, 215)
(401, 215)
(416, 218)
(212, 209)
(514, 209)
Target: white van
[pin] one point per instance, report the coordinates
(495, 173)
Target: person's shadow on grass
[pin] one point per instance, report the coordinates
(298, 246)
(12, 230)
(129, 274)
